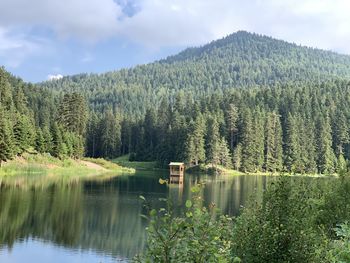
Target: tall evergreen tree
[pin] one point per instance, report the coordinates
(292, 160)
(273, 143)
(6, 138)
(232, 117)
(248, 144)
(213, 142)
(195, 144)
(326, 157)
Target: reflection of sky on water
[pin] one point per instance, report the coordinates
(41, 251)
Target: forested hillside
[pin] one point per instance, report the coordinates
(247, 101)
(239, 60)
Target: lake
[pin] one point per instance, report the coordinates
(99, 220)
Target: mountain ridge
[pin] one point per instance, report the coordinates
(240, 60)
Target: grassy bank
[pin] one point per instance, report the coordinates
(124, 162)
(210, 169)
(46, 164)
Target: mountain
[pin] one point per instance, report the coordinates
(241, 59)
(246, 101)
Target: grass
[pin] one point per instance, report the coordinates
(124, 161)
(209, 169)
(46, 164)
(109, 165)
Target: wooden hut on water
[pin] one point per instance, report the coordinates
(177, 171)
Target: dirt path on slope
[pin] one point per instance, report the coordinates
(93, 166)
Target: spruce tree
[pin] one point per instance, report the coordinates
(6, 138)
(237, 157)
(273, 143)
(232, 117)
(48, 140)
(225, 158)
(213, 142)
(248, 143)
(59, 149)
(5, 91)
(195, 144)
(326, 157)
(341, 132)
(292, 160)
(40, 141)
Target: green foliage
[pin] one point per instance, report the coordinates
(6, 138)
(280, 229)
(199, 235)
(294, 222)
(341, 247)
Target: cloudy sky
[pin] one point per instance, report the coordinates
(41, 39)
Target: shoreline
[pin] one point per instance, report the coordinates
(45, 164)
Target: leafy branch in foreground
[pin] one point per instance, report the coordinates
(200, 234)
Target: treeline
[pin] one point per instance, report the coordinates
(32, 120)
(301, 129)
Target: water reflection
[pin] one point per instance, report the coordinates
(104, 215)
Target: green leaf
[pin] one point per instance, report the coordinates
(195, 189)
(188, 203)
(161, 181)
(143, 216)
(142, 198)
(153, 212)
(188, 214)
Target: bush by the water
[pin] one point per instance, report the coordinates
(296, 221)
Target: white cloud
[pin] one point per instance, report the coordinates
(159, 23)
(87, 19)
(318, 23)
(54, 77)
(15, 48)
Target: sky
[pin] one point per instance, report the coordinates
(46, 39)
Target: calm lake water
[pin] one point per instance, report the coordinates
(99, 220)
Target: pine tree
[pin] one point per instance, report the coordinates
(258, 139)
(213, 142)
(40, 141)
(48, 141)
(72, 113)
(237, 157)
(273, 143)
(248, 143)
(5, 91)
(24, 133)
(342, 166)
(59, 149)
(326, 157)
(341, 132)
(195, 144)
(110, 135)
(224, 153)
(6, 138)
(292, 160)
(232, 117)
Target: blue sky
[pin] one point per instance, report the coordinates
(42, 38)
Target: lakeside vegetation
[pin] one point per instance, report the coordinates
(294, 222)
(125, 161)
(45, 164)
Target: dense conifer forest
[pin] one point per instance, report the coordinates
(247, 102)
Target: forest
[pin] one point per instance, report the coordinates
(247, 102)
